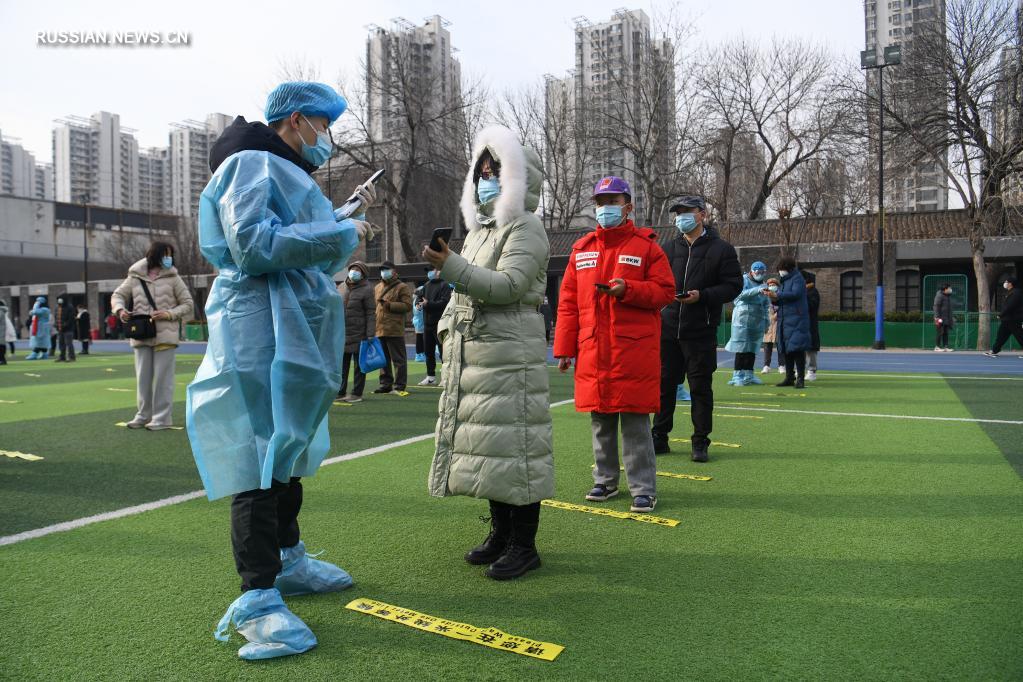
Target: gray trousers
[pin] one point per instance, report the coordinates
(638, 444)
(67, 345)
(811, 360)
(154, 372)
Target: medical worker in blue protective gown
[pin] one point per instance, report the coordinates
(749, 322)
(257, 409)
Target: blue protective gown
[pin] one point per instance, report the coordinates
(257, 408)
(749, 317)
(41, 339)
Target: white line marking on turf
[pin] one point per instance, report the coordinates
(178, 499)
(855, 374)
(879, 416)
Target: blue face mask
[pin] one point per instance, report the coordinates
(319, 153)
(487, 189)
(354, 275)
(167, 262)
(609, 216)
(431, 275)
(685, 222)
(386, 274)
(758, 276)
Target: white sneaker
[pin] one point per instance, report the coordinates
(428, 381)
(136, 424)
(811, 375)
(991, 354)
(937, 349)
(766, 369)
(352, 399)
(781, 370)
(949, 350)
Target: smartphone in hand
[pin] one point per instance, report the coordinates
(438, 234)
(603, 287)
(349, 208)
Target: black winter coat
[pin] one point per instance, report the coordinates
(943, 309)
(1012, 309)
(360, 313)
(710, 266)
(813, 304)
(436, 294)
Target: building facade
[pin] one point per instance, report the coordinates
(910, 184)
(190, 143)
(95, 160)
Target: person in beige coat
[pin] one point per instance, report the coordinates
(154, 358)
(770, 333)
(394, 303)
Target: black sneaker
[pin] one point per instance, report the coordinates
(383, 390)
(799, 383)
(700, 454)
(643, 504)
(787, 382)
(991, 354)
(514, 563)
(601, 493)
(661, 446)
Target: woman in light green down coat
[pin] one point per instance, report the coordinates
(494, 438)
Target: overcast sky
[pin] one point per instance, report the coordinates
(237, 48)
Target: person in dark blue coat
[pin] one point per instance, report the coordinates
(793, 336)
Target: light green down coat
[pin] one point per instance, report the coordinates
(494, 439)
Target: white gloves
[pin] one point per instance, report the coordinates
(364, 230)
(367, 193)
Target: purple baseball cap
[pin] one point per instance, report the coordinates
(612, 185)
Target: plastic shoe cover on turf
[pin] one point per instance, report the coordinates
(302, 574)
(736, 379)
(749, 378)
(681, 394)
(261, 617)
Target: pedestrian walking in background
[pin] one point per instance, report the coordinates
(7, 333)
(944, 319)
(83, 327)
(813, 306)
(64, 325)
(1010, 316)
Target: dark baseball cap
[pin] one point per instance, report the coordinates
(692, 201)
(387, 264)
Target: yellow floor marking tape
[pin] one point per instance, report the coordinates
(714, 442)
(20, 455)
(667, 474)
(341, 403)
(778, 395)
(403, 394)
(643, 518)
(736, 416)
(10, 402)
(488, 637)
(29, 374)
(172, 428)
(121, 390)
(721, 402)
(110, 369)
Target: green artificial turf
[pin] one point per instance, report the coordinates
(825, 547)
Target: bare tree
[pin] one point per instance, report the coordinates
(974, 59)
(123, 247)
(190, 263)
(398, 120)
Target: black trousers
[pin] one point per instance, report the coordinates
(695, 360)
(419, 343)
(85, 346)
(795, 362)
(1007, 328)
(524, 519)
(744, 360)
(394, 351)
(430, 346)
(941, 336)
(262, 523)
(348, 359)
(768, 349)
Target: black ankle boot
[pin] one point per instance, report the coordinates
(521, 556)
(495, 544)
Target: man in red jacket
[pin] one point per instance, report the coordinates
(609, 321)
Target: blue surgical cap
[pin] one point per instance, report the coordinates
(758, 266)
(311, 99)
(40, 300)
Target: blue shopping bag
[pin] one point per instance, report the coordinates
(371, 355)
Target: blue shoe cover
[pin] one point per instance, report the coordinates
(752, 379)
(682, 395)
(420, 357)
(736, 379)
(261, 617)
(302, 574)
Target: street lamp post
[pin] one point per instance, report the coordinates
(85, 248)
(868, 60)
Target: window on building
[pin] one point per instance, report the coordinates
(907, 291)
(852, 291)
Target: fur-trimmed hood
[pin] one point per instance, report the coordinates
(521, 177)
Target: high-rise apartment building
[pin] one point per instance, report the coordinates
(95, 160)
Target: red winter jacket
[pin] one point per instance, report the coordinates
(616, 342)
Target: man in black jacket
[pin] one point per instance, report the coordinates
(1011, 317)
(436, 294)
(707, 275)
(64, 328)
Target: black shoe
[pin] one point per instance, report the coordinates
(789, 381)
(661, 446)
(514, 563)
(489, 551)
(382, 390)
(700, 454)
(799, 383)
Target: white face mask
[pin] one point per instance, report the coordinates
(783, 273)
(1006, 286)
